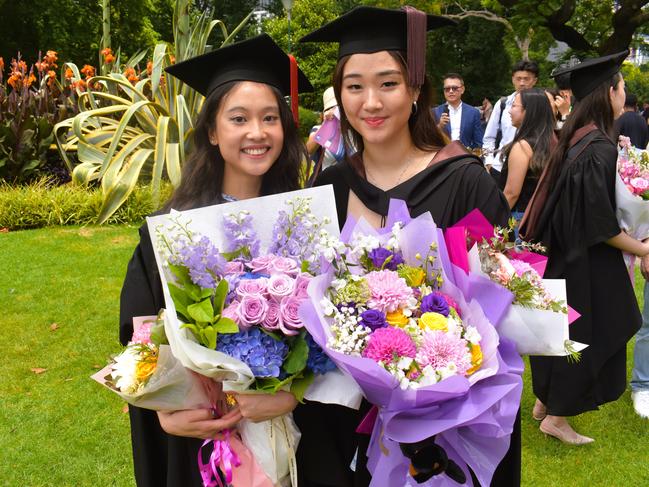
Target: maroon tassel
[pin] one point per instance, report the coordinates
(417, 23)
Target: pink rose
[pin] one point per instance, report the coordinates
(252, 310)
(290, 319)
(283, 265)
(233, 268)
(280, 286)
(301, 284)
(259, 265)
(231, 312)
(251, 287)
(271, 322)
(640, 185)
(143, 333)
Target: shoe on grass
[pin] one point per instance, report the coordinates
(641, 403)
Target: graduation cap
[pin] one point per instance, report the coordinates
(257, 59)
(590, 73)
(369, 29)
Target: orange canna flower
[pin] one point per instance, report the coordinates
(42, 66)
(31, 79)
(79, 85)
(69, 73)
(2, 64)
(149, 67)
(52, 78)
(106, 52)
(172, 59)
(88, 70)
(15, 80)
(109, 58)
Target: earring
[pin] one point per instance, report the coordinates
(414, 108)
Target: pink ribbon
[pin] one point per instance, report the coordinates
(222, 456)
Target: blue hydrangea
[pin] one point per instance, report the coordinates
(261, 352)
(318, 361)
(203, 260)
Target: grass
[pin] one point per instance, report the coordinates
(59, 428)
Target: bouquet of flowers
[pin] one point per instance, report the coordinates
(537, 322)
(429, 359)
(233, 285)
(147, 375)
(632, 190)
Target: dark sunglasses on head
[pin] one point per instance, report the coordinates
(452, 88)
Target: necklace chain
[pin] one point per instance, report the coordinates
(403, 172)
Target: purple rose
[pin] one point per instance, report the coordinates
(373, 319)
(289, 317)
(260, 264)
(434, 303)
(283, 265)
(301, 284)
(252, 310)
(379, 255)
(252, 287)
(280, 286)
(231, 312)
(233, 268)
(271, 322)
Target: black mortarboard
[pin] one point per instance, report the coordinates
(590, 73)
(257, 59)
(370, 29)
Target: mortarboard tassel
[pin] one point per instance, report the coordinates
(294, 91)
(416, 23)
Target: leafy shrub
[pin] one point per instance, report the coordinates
(308, 119)
(41, 205)
(32, 101)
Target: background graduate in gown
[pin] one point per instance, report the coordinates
(245, 145)
(573, 214)
(385, 104)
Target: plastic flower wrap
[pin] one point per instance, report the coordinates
(388, 314)
(538, 320)
(632, 191)
(234, 277)
(147, 375)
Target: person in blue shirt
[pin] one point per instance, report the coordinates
(457, 119)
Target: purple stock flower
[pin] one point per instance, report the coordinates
(434, 303)
(240, 234)
(373, 319)
(379, 255)
(261, 352)
(203, 260)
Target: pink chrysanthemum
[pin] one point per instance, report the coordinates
(439, 349)
(388, 291)
(451, 303)
(389, 345)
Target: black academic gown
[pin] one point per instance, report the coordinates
(159, 459)
(578, 218)
(454, 184)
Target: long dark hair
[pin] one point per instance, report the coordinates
(537, 128)
(593, 108)
(424, 131)
(202, 174)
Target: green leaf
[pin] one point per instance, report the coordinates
(158, 335)
(296, 359)
(301, 384)
(210, 337)
(268, 384)
(194, 329)
(180, 298)
(220, 295)
(226, 325)
(201, 312)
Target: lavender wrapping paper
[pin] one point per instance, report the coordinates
(473, 417)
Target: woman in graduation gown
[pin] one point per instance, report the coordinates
(386, 118)
(573, 214)
(245, 145)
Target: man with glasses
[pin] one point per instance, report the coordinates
(500, 131)
(459, 120)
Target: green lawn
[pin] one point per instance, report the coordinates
(59, 428)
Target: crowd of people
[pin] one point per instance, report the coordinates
(548, 157)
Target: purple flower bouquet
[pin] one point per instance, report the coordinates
(233, 285)
(446, 390)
